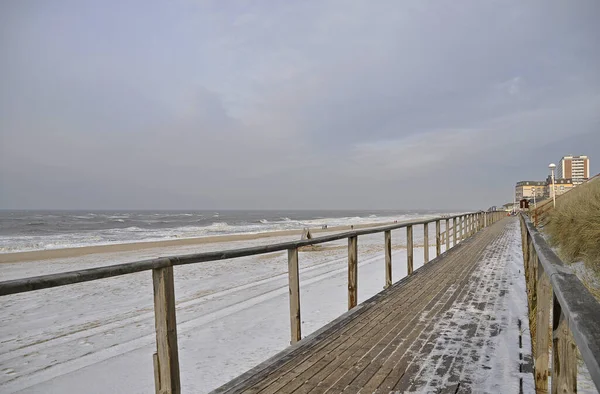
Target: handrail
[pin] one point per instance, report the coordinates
(85, 275)
(166, 358)
(576, 314)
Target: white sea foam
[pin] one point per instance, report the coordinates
(15, 243)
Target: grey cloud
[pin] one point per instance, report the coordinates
(294, 105)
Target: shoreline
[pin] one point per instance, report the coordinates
(48, 254)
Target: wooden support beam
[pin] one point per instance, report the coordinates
(543, 305)
(167, 357)
(564, 353)
(156, 373)
(352, 272)
(294, 291)
(438, 241)
(454, 231)
(447, 234)
(426, 242)
(470, 225)
(409, 249)
(388, 258)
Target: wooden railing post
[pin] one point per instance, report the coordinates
(462, 227)
(453, 231)
(426, 242)
(388, 258)
(409, 249)
(447, 234)
(564, 353)
(352, 272)
(294, 287)
(543, 305)
(166, 361)
(438, 241)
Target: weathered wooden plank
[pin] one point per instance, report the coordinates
(388, 258)
(471, 225)
(156, 373)
(454, 230)
(352, 272)
(392, 344)
(438, 241)
(390, 338)
(447, 234)
(426, 242)
(339, 367)
(294, 294)
(564, 353)
(409, 249)
(369, 325)
(544, 303)
(390, 375)
(166, 331)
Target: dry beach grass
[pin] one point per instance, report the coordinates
(574, 226)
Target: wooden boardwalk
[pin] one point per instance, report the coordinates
(390, 342)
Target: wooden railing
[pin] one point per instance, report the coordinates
(554, 288)
(166, 359)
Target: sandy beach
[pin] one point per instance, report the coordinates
(231, 314)
(48, 254)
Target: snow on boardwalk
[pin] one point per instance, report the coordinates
(459, 324)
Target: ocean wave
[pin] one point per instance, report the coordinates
(40, 223)
(154, 227)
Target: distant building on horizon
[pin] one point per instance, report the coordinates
(572, 167)
(529, 189)
(561, 185)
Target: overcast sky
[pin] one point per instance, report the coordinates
(292, 104)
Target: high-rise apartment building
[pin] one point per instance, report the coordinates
(576, 168)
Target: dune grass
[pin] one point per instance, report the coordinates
(574, 226)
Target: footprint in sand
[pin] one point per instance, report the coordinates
(9, 371)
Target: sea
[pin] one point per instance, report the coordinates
(42, 230)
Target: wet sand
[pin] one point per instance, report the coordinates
(37, 255)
